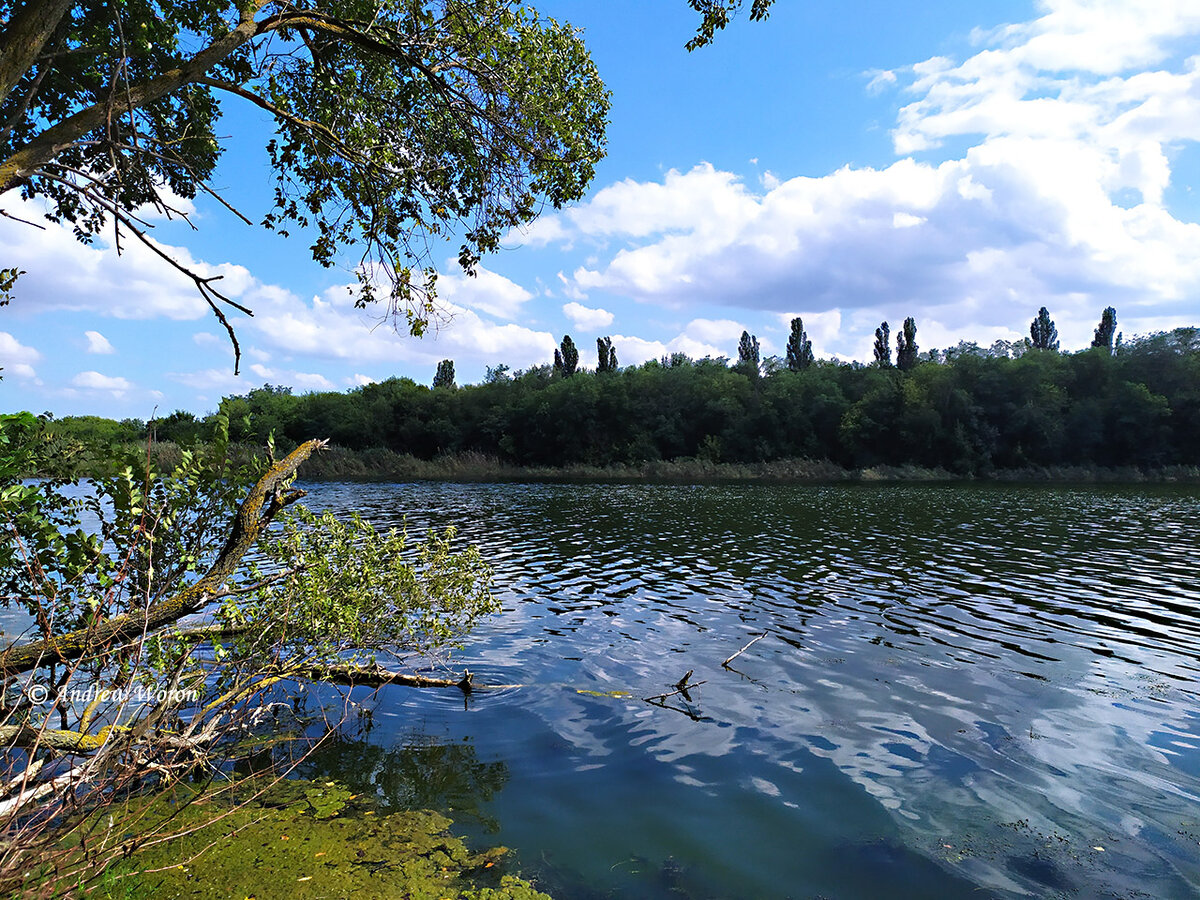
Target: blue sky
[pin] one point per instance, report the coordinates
(850, 163)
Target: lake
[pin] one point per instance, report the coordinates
(964, 691)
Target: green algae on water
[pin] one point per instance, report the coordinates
(303, 840)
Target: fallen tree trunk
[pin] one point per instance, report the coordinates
(377, 676)
(265, 500)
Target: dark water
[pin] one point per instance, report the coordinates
(965, 691)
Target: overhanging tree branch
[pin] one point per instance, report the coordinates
(265, 500)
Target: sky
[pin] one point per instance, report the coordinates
(848, 163)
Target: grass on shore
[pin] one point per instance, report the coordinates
(381, 464)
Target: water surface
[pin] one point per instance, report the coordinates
(965, 691)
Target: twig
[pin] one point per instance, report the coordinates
(680, 688)
(725, 665)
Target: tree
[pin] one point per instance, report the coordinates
(398, 124)
(748, 354)
(170, 696)
(906, 345)
(883, 349)
(1042, 332)
(1106, 331)
(444, 377)
(606, 356)
(799, 348)
(566, 358)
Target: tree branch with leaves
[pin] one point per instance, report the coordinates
(400, 124)
(157, 637)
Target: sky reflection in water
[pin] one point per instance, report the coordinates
(963, 688)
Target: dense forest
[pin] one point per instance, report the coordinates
(968, 410)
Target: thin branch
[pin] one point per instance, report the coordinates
(725, 665)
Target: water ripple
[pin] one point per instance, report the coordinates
(1000, 679)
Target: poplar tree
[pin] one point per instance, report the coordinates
(799, 347)
(883, 347)
(566, 358)
(1042, 332)
(748, 354)
(606, 356)
(906, 345)
(1106, 331)
(444, 378)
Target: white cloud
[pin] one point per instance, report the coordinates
(357, 380)
(487, 292)
(220, 381)
(714, 331)
(63, 274)
(1073, 120)
(98, 343)
(94, 381)
(585, 317)
(301, 380)
(17, 359)
(330, 328)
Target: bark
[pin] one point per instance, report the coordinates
(23, 164)
(262, 504)
(377, 676)
(54, 739)
(23, 38)
(47, 145)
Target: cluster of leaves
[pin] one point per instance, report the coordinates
(350, 590)
(968, 409)
(133, 540)
(400, 123)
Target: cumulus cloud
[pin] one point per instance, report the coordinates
(62, 274)
(1059, 199)
(214, 380)
(585, 317)
(330, 328)
(17, 358)
(94, 381)
(98, 343)
(487, 292)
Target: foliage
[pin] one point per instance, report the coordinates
(606, 355)
(566, 358)
(748, 354)
(906, 345)
(979, 410)
(350, 589)
(1107, 329)
(799, 348)
(883, 349)
(717, 14)
(1042, 332)
(399, 124)
(444, 377)
(105, 572)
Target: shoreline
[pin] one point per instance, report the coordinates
(382, 465)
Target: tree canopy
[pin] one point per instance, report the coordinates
(400, 123)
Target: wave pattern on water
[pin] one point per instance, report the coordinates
(1002, 681)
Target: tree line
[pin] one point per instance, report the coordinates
(969, 409)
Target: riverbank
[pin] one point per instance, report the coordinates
(384, 465)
